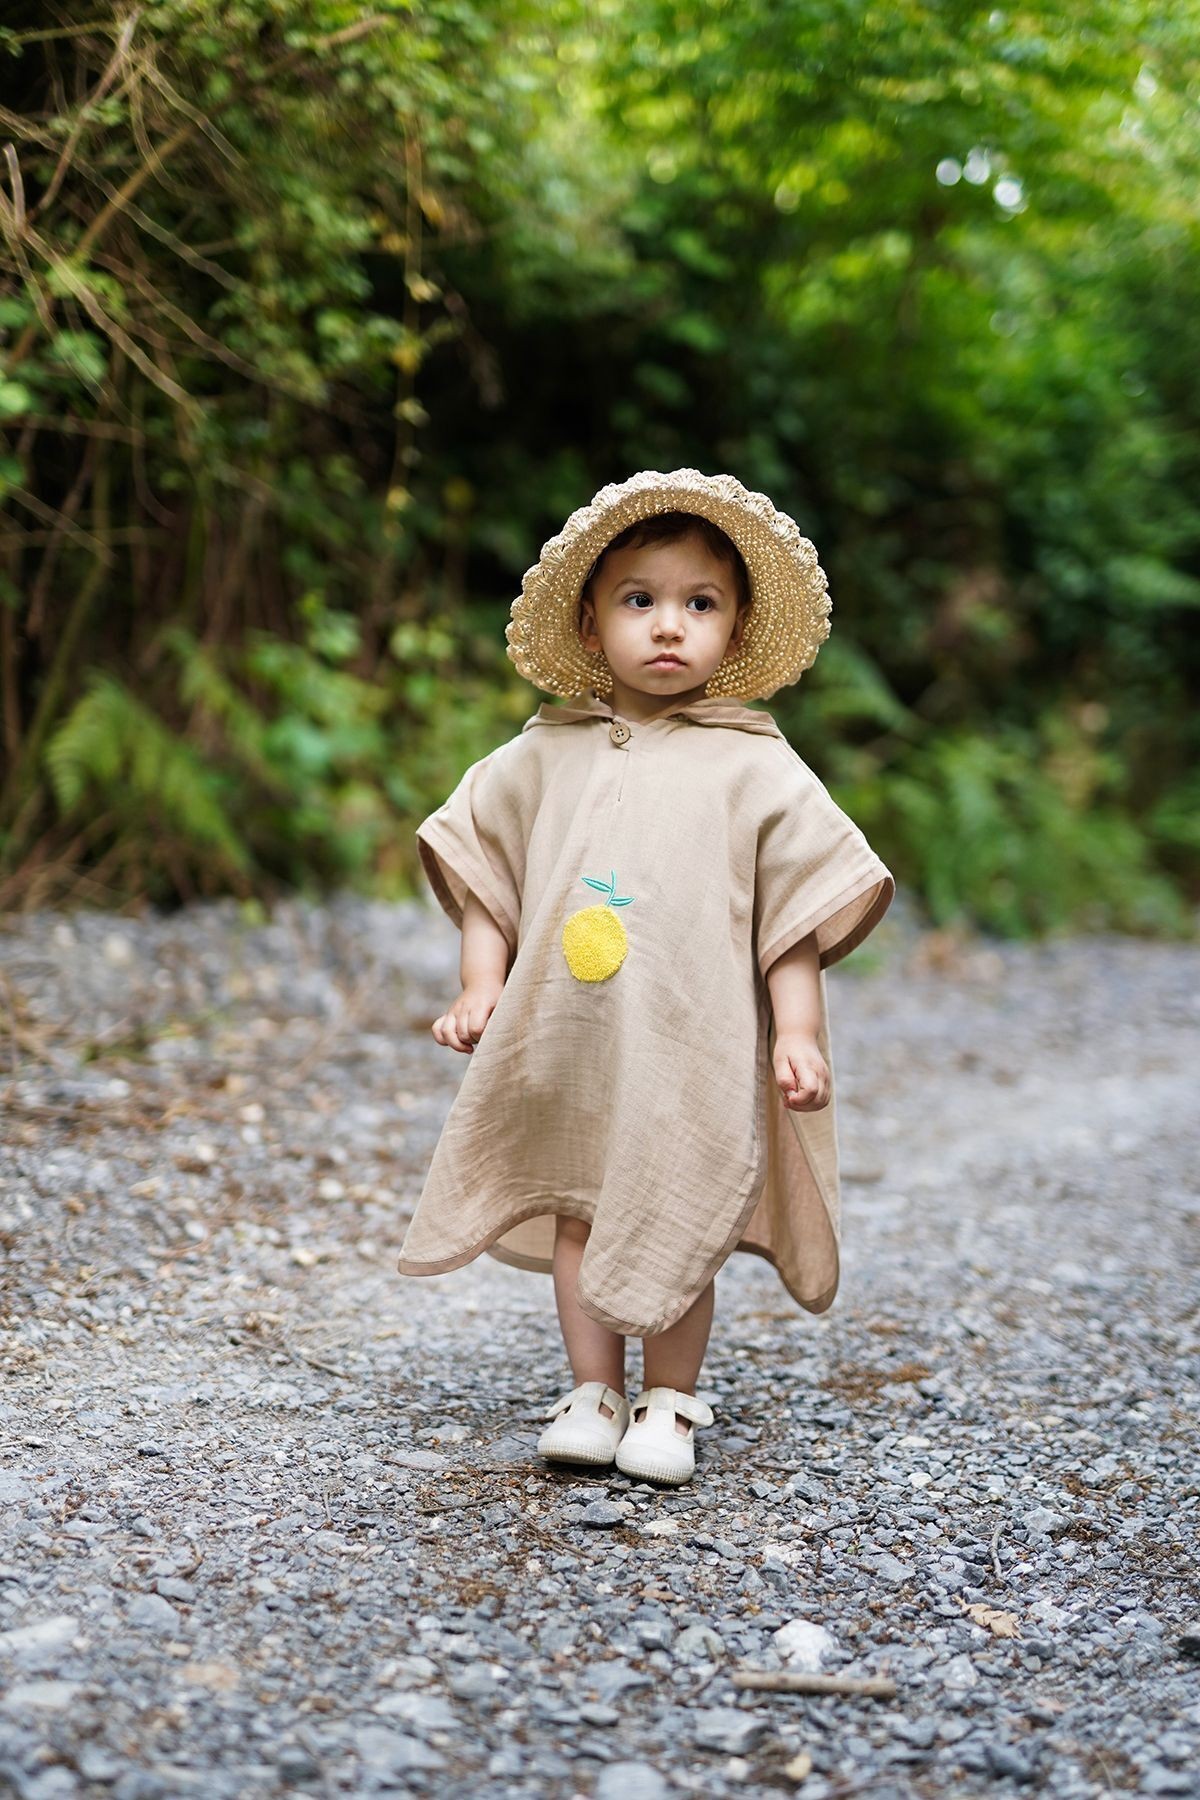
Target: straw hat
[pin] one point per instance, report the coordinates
(788, 617)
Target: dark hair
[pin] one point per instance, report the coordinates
(668, 528)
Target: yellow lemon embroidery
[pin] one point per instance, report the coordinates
(593, 939)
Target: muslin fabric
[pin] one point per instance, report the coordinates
(644, 1103)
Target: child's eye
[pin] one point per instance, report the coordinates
(709, 603)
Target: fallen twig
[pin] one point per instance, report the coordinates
(795, 1681)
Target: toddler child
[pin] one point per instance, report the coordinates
(650, 884)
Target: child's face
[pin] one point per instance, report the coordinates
(674, 599)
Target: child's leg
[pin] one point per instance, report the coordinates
(673, 1357)
(595, 1353)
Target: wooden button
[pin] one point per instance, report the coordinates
(619, 732)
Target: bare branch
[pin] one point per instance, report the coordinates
(97, 94)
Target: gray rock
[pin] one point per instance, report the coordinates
(1044, 1522)
(698, 1643)
(592, 1713)
(1002, 1759)
(172, 1588)
(889, 1568)
(726, 1728)
(478, 1681)
(43, 1639)
(803, 1644)
(424, 1712)
(394, 1752)
(1157, 1778)
(43, 1696)
(606, 1512)
(296, 1766)
(630, 1781)
(605, 1681)
(150, 1612)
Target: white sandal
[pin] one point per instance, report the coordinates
(581, 1433)
(652, 1449)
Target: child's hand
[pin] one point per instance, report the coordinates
(461, 1025)
(802, 1072)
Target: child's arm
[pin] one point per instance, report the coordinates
(483, 968)
(800, 1069)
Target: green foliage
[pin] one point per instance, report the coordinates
(111, 750)
(332, 313)
(1018, 833)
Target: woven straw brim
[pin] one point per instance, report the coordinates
(786, 623)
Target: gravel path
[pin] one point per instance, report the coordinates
(271, 1519)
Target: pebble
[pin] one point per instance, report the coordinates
(150, 1612)
(803, 1644)
(698, 1643)
(959, 1672)
(394, 1752)
(604, 1512)
(630, 1781)
(726, 1728)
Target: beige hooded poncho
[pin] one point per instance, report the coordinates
(643, 1101)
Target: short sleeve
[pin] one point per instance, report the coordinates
(814, 871)
(475, 842)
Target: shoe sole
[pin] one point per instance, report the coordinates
(593, 1458)
(646, 1469)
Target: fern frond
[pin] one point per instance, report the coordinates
(112, 746)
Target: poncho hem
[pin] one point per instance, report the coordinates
(444, 1265)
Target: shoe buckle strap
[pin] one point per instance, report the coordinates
(664, 1399)
(596, 1391)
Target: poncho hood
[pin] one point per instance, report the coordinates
(712, 710)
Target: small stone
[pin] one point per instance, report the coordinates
(1002, 1759)
(1042, 1521)
(296, 1765)
(393, 1752)
(95, 1763)
(605, 1681)
(150, 1612)
(172, 1587)
(918, 1732)
(698, 1643)
(960, 1672)
(478, 1681)
(800, 1767)
(1158, 1779)
(1188, 1641)
(418, 1459)
(606, 1513)
(47, 1696)
(424, 1712)
(593, 1713)
(803, 1644)
(44, 1636)
(727, 1728)
(630, 1781)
